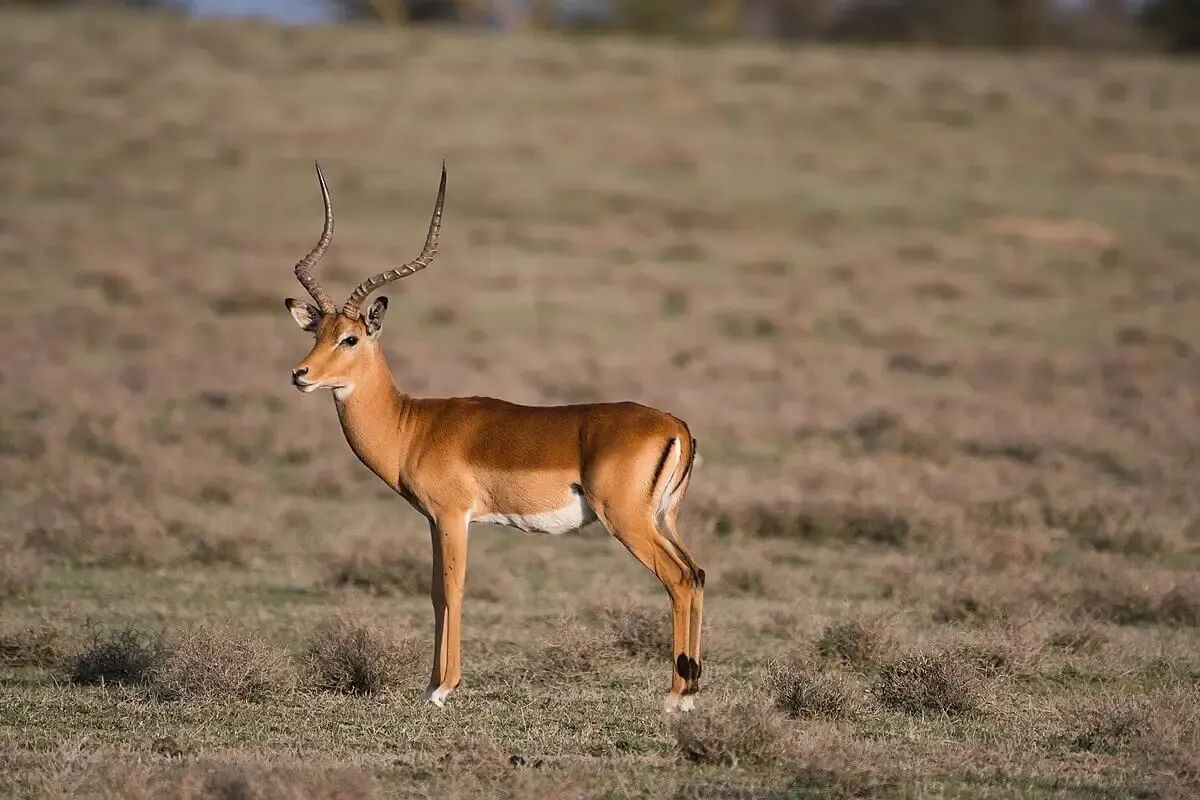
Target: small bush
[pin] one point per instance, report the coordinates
(740, 733)
(573, 651)
(128, 657)
(918, 683)
(223, 662)
(348, 656)
(857, 641)
(801, 689)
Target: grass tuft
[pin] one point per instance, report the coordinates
(225, 662)
(356, 657)
(943, 682)
(857, 641)
(128, 656)
(801, 689)
(733, 734)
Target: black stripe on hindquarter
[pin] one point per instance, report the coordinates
(662, 464)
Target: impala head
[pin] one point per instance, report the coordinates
(347, 340)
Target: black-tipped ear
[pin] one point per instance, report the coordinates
(375, 316)
(306, 315)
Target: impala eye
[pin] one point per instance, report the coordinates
(350, 341)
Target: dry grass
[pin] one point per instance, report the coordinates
(223, 662)
(942, 682)
(856, 641)
(932, 318)
(803, 689)
(736, 733)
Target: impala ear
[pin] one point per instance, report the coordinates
(306, 315)
(375, 316)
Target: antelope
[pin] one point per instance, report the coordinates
(538, 469)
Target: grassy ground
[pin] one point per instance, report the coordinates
(933, 319)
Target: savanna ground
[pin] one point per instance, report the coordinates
(932, 318)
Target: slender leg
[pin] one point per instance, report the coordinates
(696, 617)
(650, 548)
(449, 540)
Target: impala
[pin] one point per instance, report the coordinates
(543, 469)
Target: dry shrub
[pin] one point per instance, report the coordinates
(20, 570)
(357, 657)
(573, 650)
(128, 656)
(943, 682)
(30, 646)
(802, 689)
(742, 732)
(223, 662)
(857, 641)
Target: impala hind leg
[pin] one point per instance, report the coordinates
(448, 536)
(696, 615)
(688, 662)
(658, 555)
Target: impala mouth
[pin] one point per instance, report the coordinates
(305, 386)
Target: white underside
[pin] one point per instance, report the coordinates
(567, 519)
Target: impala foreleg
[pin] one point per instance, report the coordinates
(449, 539)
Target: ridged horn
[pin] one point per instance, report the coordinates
(304, 265)
(354, 303)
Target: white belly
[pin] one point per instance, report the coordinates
(569, 518)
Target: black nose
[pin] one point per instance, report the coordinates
(296, 373)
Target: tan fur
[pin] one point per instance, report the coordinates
(464, 458)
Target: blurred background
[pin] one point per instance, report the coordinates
(920, 275)
(1171, 24)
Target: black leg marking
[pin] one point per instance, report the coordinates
(694, 669)
(683, 666)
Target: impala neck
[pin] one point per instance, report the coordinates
(372, 416)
